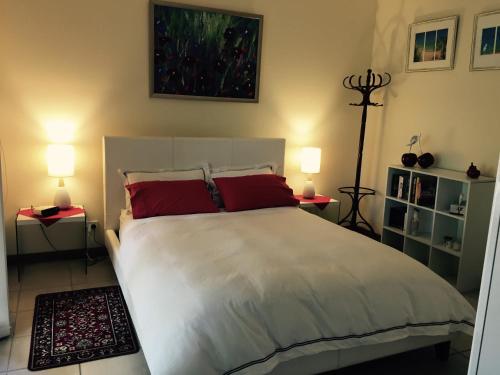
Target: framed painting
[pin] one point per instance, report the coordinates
(485, 54)
(204, 53)
(431, 44)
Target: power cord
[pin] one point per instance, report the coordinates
(47, 237)
(95, 240)
(90, 259)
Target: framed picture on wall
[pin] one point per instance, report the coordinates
(485, 52)
(204, 53)
(431, 44)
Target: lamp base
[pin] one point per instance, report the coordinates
(309, 192)
(62, 198)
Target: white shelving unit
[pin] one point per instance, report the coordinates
(463, 267)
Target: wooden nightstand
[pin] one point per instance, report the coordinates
(24, 218)
(322, 206)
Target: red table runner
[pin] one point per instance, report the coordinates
(321, 201)
(49, 220)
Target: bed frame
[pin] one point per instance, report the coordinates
(177, 153)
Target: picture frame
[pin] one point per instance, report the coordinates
(431, 44)
(204, 53)
(485, 50)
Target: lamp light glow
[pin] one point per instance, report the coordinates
(310, 163)
(60, 160)
(310, 160)
(60, 131)
(61, 163)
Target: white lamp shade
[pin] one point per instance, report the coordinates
(310, 160)
(60, 160)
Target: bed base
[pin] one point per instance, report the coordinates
(312, 364)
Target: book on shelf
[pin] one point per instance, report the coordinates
(399, 186)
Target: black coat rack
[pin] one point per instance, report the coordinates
(356, 192)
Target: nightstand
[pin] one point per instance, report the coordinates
(322, 206)
(24, 217)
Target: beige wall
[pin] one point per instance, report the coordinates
(86, 62)
(456, 111)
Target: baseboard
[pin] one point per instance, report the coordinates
(56, 255)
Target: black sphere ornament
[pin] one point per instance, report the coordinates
(409, 159)
(425, 160)
(473, 172)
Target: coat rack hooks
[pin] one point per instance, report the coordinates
(356, 193)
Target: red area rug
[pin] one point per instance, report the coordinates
(80, 326)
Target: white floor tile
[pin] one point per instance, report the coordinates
(5, 345)
(133, 364)
(27, 297)
(13, 300)
(24, 323)
(101, 271)
(45, 275)
(20, 353)
(66, 370)
(94, 285)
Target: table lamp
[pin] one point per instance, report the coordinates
(61, 163)
(310, 163)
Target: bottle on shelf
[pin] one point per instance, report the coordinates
(415, 222)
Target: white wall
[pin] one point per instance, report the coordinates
(4, 300)
(456, 111)
(87, 62)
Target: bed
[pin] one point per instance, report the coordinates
(274, 290)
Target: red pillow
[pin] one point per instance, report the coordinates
(158, 198)
(255, 191)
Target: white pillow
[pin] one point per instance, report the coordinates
(246, 170)
(132, 177)
(192, 174)
(241, 172)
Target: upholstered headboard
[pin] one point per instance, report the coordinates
(144, 153)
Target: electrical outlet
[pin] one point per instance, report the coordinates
(91, 233)
(91, 226)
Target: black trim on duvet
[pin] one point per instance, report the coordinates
(338, 338)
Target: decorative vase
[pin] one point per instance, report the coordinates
(409, 159)
(425, 160)
(62, 198)
(473, 172)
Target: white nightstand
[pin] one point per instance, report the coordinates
(24, 218)
(322, 206)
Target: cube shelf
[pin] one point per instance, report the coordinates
(398, 184)
(417, 250)
(450, 240)
(395, 214)
(426, 186)
(445, 265)
(424, 231)
(450, 227)
(393, 239)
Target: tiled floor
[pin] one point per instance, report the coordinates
(50, 277)
(69, 275)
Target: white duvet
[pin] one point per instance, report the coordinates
(241, 292)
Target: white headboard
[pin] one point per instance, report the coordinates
(177, 153)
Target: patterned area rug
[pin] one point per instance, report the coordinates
(80, 326)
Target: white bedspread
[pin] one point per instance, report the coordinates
(240, 292)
